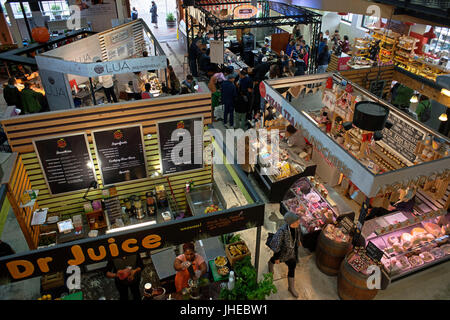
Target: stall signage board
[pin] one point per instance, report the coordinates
(102, 68)
(402, 137)
(141, 239)
(347, 224)
(66, 162)
(245, 11)
(373, 251)
(216, 53)
(120, 153)
(176, 137)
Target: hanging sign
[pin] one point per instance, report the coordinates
(245, 11)
(120, 153)
(403, 136)
(102, 68)
(66, 162)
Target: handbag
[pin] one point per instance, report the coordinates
(269, 239)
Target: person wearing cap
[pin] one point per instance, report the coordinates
(261, 69)
(284, 244)
(229, 94)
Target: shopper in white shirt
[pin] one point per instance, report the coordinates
(107, 82)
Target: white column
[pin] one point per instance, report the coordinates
(15, 32)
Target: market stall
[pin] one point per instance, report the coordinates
(73, 77)
(395, 161)
(232, 23)
(82, 183)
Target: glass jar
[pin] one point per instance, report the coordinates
(127, 202)
(137, 202)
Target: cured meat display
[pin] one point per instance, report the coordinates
(310, 205)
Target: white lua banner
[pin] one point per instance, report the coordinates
(102, 68)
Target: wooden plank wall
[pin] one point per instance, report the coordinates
(21, 130)
(18, 184)
(363, 77)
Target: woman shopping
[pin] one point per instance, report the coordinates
(284, 244)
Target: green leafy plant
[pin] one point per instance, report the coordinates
(170, 17)
(55, 7)
(246, 286)
(230, 238)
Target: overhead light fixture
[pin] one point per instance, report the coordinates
(445, 92)
(414, 99)
(443, 117)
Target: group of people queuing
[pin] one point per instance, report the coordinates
(27, 100)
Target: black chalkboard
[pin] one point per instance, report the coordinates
(66, 162)
(121, 155)
(373, 251)
(377, 87)
(191, 135)
(402, 137)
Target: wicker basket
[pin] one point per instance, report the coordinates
(232, 259)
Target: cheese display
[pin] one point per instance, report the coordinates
(415, 246)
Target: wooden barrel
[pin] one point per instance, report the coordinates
(352, 285)
(329, 254)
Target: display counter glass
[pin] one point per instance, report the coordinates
(415, 246)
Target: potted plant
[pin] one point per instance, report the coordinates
(246, 286)
(170, 20)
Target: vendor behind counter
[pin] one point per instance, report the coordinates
(406, 204)
(295, 139)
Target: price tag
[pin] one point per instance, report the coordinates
(347, 224)
(373, 252)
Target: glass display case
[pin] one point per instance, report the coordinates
(415, 246)
(310, 204)
(284, 169)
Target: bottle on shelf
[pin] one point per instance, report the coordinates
(231, 281)
(151, 203)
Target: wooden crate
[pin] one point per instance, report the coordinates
(233, 259)
(51, 281)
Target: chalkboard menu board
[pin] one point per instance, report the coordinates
(175, 137)
(402, 137)
(66, 162)
(121, 155)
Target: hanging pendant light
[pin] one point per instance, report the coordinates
(443, 117)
